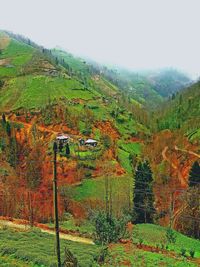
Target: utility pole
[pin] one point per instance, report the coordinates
(55, 195)
(171, 209)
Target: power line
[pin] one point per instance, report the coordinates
(154, 212)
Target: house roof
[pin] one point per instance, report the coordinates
(62, 137)
(90, 141)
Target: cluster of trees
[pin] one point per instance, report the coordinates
(24, 193)
(110, 227)
(8, 143)
(190, 216)
(143, 209)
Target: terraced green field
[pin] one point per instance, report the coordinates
(17, 54)
(37, 249)
(35, 91)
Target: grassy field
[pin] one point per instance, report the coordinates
(94, 188)
(124, 160)
(69, 223)
(38, 249)
(155, 235)
(122, 256)
(10, 261)
(35, 91)
(17, 54)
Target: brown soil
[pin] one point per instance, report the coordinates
(108, 129)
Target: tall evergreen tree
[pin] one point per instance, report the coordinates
(143, 197)
(67, 150)
(3, 118)
(8, 129)
(194, 176)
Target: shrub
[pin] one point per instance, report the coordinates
(183, 252)
(1, 83)
(162, 246)
(70, 259)
(192, 252)
(88, 175)
(141, 240)
(106, 140)
(7, 250)
(110, 229)
(170, 235)
(102, 255)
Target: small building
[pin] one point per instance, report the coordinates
(62, 138)
(91, 142)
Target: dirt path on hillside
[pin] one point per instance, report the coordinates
(164, 155)
(187, 151)
(40, 128)
(25, 227)
(179, 174)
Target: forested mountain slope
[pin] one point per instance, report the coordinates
(182, 112)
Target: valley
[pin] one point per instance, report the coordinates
(131, 197)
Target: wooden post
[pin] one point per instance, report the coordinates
(56, 221)
(171, 209)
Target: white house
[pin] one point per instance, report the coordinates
(62, 138)
(91, 142)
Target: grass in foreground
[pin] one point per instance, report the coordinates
(9, 261)
(121, 255)
(38, 248)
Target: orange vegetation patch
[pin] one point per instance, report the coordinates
(62, 129)
(107, 128)
(175, 163)
(119, 171)
(126, 263)
(136, 139)
(77, 210)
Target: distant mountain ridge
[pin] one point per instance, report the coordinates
(148, 89)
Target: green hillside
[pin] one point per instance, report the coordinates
(156, 235)
(182, 112)
(29, 79)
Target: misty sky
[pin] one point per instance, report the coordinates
(136, 34)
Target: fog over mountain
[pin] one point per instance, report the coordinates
(132, 34)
